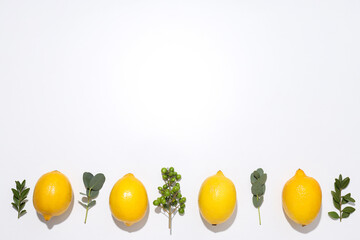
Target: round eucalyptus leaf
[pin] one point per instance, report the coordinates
(97, 182)
(87, 178)
(257, 201)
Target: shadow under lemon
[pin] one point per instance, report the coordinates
(304, 229)
(223, 226)
(134, 227)
(57, 219)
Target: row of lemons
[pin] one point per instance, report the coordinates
(128, 199)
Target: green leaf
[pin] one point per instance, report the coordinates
(82, 204)
(22, 205)
(256, 175)
(334, 215)
(87, 178)
(260, 171)
(337, 184)
(347, 195)
(348, 198)
(16, 193)
(335, 197)
(24, 193)
(337, 190)
(337, 205)
(92, 203)
(258, 189)
(97, 182)
(257, 202)
(344, 201)
(15, 206)
(93, 194)
(16, 201)
(345, 215)
(349, 210)
(22, 212)
(262, 179)
(255, 189)
(252, 178)
(340, 178)
(22, 185)
(345, 183)
(83, 194)
(18, 185)
(262, 190)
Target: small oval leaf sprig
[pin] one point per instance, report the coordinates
(258, 179)
(19, 197)
(93, 184)
(171, 200)
(338, 200)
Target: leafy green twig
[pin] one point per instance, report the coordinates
(93, 184)
(258, 179)
(19, 197)
(171, 200)
(338, 200)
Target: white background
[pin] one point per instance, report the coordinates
(132, 86)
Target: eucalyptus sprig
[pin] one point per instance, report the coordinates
(171, 200)
(93, 184)
(338, 200)
(19, 197)
(258, 179)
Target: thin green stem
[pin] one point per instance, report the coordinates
(257, 198)
(87, 210)
(87, 206)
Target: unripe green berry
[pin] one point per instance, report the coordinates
(171, 169)
(163, 170)
(181, 210)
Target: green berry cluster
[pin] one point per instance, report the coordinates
(171, 199)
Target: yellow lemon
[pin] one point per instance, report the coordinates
(128, 200)
(52, 194)
(217, 198)
(301, 198)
